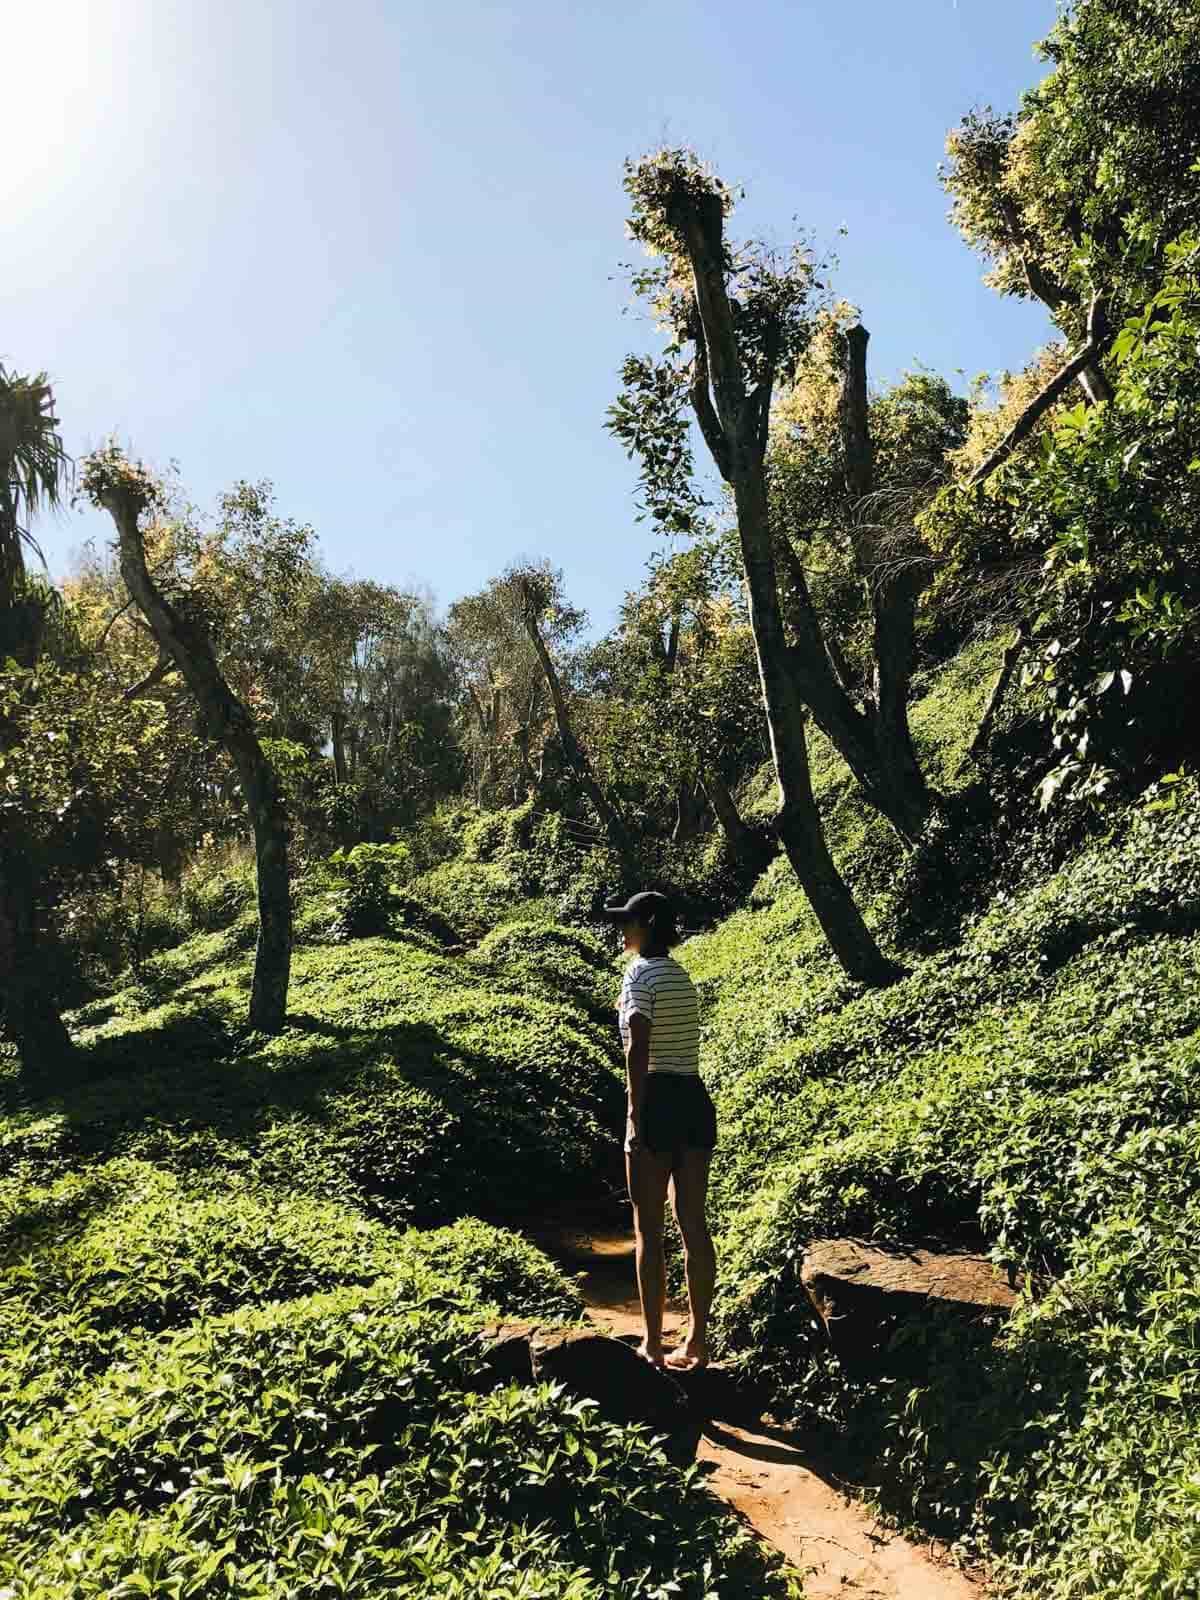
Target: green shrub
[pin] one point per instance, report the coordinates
(563, 964)
(597, 878)
(343, 1442)
(128, 1249)
(473, 896)
(1036, 1089)
(214, 900)
(360, 906)
(417, 1086)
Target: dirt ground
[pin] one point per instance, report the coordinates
(766, 1474)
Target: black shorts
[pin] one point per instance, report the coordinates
(677, 1114)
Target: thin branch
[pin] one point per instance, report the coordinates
(162, 668)
(1040, 403)
(108, 626)
(706, 416)
(1007, 667)
(803, 617)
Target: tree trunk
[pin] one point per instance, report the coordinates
(337, 738)
(689, 809)
(610, 818)
(875, 744)
(1039, 405)
(1008, 666)
(744, 844)
(1089, 374)
(31, 1018)
(168, 853)
(801, 831)
(227, 720)
(892, 588)
(734, 428)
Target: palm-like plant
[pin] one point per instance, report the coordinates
(34, 473)
(35, 470)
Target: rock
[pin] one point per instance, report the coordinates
(626, 1388)
(862, 1290)
(508, 1351)
(717, 1396)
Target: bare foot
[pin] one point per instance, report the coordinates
(654, 1356)
(689, 1356)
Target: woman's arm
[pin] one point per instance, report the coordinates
(637, 1066)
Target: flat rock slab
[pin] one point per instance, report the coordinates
(862, 1290)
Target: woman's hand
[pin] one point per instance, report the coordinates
(633, 1137)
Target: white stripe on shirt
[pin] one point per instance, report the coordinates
(658, 988)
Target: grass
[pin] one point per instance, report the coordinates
(412, 1084)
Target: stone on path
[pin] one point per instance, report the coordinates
(863, 1289)
(626, 1388)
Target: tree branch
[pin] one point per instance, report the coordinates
(803, 617)
(722, 363)
(161, 669)
(1003, 678)
(706, 416)
(115, 618)
(1040, 403)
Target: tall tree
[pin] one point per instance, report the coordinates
(738, 319)
(34, 470)
(506, 719)
(126, 491)
(536, 593)
(848, 472)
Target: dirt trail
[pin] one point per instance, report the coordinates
(765, 1474)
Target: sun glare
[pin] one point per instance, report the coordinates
(65, 90)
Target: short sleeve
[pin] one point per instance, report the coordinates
(637, 994)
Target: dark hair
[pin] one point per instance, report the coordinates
(663, 933)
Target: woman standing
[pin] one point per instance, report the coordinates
(672, 1125)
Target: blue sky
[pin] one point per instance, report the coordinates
(369, 250)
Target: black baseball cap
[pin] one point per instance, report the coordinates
(649, 907)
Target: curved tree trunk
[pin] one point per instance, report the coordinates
(734, 424)
(1088, 374)
(893, 588)
(1041, 403)
(801, 831)
(744, 844)
(1004, 677)
(337, 739)
(610, 818)
(227, 720)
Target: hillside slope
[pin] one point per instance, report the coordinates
(1032, 1087)
(227, 1368)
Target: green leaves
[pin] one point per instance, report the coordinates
(387, 1471)
(651, 419)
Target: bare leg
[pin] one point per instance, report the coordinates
(689, 1196)
(647, 1175)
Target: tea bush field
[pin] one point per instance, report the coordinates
(1032, 1088)
(232, 1365)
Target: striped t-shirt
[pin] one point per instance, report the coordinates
(660, 989)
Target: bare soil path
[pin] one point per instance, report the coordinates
(765, 1472)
